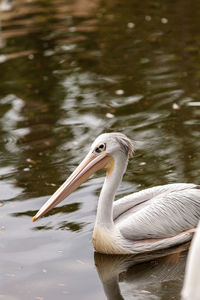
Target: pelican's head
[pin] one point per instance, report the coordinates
(101, 156)
(113, 142)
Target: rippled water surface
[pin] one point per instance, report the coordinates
(70, 70)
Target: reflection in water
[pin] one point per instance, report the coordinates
(142, 276)
(66, 209)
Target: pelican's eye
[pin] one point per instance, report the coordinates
(100, 148)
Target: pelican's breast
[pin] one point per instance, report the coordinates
(107, 241)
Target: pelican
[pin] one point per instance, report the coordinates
(191, 287)
(153, 219)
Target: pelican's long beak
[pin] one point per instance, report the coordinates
(88, 166)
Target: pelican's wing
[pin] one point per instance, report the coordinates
(160, 212)
(140, 199)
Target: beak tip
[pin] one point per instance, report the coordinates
(34, 219)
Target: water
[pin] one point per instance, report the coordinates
(70, 70)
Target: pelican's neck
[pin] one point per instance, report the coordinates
(107, 195)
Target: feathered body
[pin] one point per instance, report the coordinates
(191, 287)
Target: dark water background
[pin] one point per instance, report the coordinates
(70, 70)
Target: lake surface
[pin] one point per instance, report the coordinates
(69, 71)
